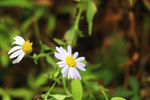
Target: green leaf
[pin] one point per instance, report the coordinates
(21, 93)
(51, 23)
(41, 80)
(90, 12)
(59, 96)
(51, 61)
(71, 36)
(6, 97)
(133, 83)
(4, 59)
(131, 2)
(77, 0)
(95, 86)
(117, 98)
(135, 97)
(123, 93)
(59, 42)
(77, 90)
(23, 3)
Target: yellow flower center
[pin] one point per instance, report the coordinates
(27, 47)
(70, 61)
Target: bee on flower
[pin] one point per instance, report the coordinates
(69, 62)
(22, 47)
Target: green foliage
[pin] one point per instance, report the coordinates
(59, 42)
(74, 32)
(131, 2)
(59, 96)
(117, 98)
(39, 20)
(77, 90)
(90, 12)
(22, 3)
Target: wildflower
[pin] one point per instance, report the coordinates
(23, 47)
(69, 62)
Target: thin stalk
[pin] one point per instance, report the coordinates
(106, 97)
(78, 18)
(65, 87)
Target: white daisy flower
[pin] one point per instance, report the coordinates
(69, 62)
(23, 47)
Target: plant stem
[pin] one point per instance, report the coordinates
(48, 92)
(103, 92)
(65, 87)
(78, 18)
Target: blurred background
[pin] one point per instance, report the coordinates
(117, 51)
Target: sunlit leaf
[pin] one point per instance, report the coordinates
(77, 90)
(77, 0)
(6, 97)
(58, 41)
(131, 2)
(90, 12)
(59, 96)
(117, 98)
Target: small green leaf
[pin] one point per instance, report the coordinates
(117, 98)
(4, 59)
(6, 97)
(21, 93)
(135, 97)
(123, 93)
(59, 96)
(51, 23)
(71, 36)
(90, 12)
(51, 61)
(133, 83)
(131, 2)
(77, 90)
(41, 80)
(59, 42)
(77, 0)
(22, 3)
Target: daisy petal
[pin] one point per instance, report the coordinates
(69, 50)
(14, 49)
(80, 67)
(64, 52)
(71, 72)
(61, 63)
(81, 64)
(58, 56)
(64, 74)
(65, 69)
(58, 49)
(75, 55)
(15, 54)
(80, 59)
(20, 38)
(77, 73)
(19, 58)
